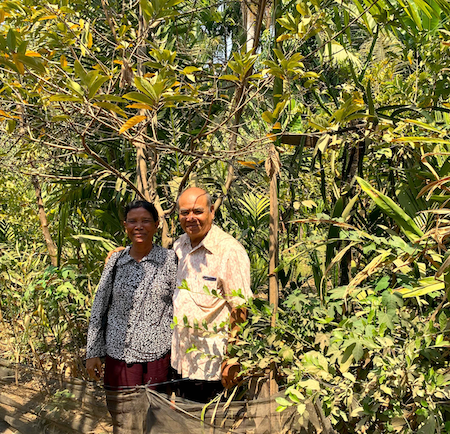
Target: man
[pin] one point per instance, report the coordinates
(212, 268)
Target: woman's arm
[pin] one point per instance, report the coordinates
(96, 345)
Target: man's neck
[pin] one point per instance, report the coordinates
(196, 242)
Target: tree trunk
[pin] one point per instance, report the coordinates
(238, 100)
(44, 224)
(250, 12)
(147, 185)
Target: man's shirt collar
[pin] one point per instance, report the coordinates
(209, 242)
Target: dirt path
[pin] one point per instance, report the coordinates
(49, 403)
(6, 429)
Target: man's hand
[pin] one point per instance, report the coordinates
(229, 374)
(94, 368)
(231, 370)
(118, 249)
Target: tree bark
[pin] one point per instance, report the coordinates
(146, 184)
(273, 264)
(44, 223)
(238, 100)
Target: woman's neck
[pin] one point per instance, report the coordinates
(138, 252)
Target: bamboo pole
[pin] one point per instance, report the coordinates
(272, 168)
(273, 264)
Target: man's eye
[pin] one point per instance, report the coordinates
(184, 213)
(198, 211)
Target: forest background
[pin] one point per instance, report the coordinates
(320, 129)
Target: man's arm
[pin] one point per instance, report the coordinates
(237, 276)
(231, 370)
(237, 316)
(110, 253)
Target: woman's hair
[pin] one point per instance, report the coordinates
(142, 204)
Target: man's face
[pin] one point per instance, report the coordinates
(195, 215)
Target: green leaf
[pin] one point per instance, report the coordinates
(429, 426)
(229, 77)
(287, 354)
(110, 106)
(422, 140)
(32, 62)
(387, 319)
(426, 286)
(283, 401)
(139, 97)
(310, 384)
(392, 210)
(79, 71)
(96, 86)
(11, 40)
(391, 300)
(75, 87)
(267, 117)
(146, 87)
(442, 321)
(301, 408)
(190, 69)
(180, 98)
(358, 352)
(383, 283)
(64, 97)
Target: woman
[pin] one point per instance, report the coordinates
(132, 312)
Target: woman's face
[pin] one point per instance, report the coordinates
(140, 226)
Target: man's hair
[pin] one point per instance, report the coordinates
(142, 204)
(206, 194)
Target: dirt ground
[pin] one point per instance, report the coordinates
(31, 403)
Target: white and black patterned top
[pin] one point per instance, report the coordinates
(139, 317)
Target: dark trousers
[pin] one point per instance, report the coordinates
(197, 390)
(119, 374)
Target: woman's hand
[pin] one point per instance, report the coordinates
(94, 368)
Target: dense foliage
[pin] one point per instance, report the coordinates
(345, 105)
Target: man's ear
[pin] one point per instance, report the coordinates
(212, 210)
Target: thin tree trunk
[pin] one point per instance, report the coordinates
(238, 100)
(146, 184)
(250, 24)
(273, 264)
(44, 223)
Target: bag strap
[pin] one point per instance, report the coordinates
(113, 279)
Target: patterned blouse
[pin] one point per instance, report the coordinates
(139, 317)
